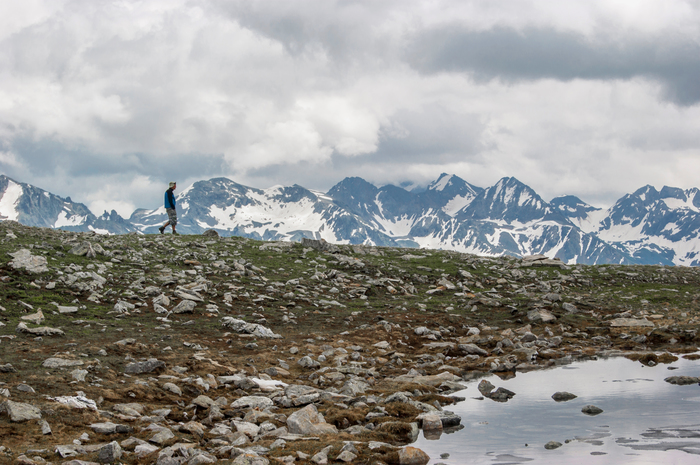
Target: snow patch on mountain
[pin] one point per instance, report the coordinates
(677, 204)
(441, 183)
(457, 203)
(9, 200)
(66, 219)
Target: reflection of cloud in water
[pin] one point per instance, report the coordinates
(507, 459)
(672, 432)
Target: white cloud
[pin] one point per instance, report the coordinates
(100, 93)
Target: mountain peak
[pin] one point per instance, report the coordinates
(441, 182)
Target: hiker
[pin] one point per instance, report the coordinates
(170, 208)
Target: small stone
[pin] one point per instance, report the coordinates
(7, 368)
(186, 306)
(308, 421)
(20, 412)
(104, 428)
(472, 349)
(432, 422)
(552, 445)
(346, 456)
(412, 456)
(252, 402)
(23, 258)
(110, 453)
(682, 380)
(591, 410)
(79, 375)
(144, 449)
(162, 436)
(144, 367)
(563, 396)
(45, 427)
(60, 363)
(170, 387)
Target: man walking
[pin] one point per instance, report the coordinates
(170, 208)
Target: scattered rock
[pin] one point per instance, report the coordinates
(109, 453)
(60, 363)
(631, 322)
(591, 410)
(23, 259)
(148, 366)
(412, 456)
(563, 396)
(252, 402)
(309, 422)
(20, 412)
(255, 329)
(682, 380)
(40, 331)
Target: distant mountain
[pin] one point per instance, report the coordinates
(654, 227)
(32, 206)
(508, 218)
(277, 213)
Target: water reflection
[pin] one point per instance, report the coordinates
(644, 421)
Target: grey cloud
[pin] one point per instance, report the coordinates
(346, 31)
(47, 156)
(541, 53)
(434, 133)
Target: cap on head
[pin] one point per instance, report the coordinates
(172, 184)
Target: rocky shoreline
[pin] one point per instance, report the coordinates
(200, 349)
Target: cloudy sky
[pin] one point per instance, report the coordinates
(107, 101)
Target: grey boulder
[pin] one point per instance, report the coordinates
(148, 366)
(309, 422)
(19, 412)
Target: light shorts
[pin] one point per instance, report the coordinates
(172, 216)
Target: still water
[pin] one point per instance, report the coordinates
(645, 420)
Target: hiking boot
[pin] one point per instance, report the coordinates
(161, 229)
(176, 233)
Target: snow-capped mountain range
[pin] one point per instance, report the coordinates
(645, 227)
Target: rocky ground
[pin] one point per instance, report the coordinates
(199, 349)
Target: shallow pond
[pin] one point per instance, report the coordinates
(645, 420)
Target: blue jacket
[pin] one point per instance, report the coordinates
(169, 199)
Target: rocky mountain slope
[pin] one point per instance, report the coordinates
(202, 349)
(653, 226)
(36, 207)
(509, 218)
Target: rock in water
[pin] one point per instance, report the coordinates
(682, 380)
(412, 456)
(563, 396)
(485, 387)
(591, 410)
(432, 422)
(501, 395)
(552, 445)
